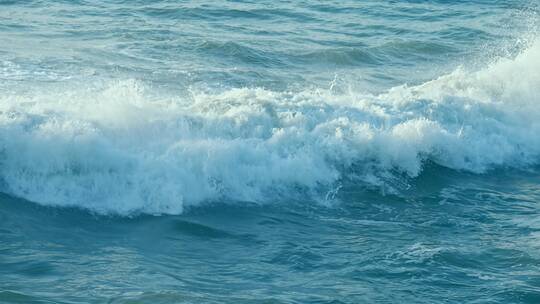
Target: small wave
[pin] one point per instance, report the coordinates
(120, 147)
(238, 52)
(342, 56)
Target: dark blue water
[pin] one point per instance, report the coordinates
(269, 152)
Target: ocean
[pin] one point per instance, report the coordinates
(270, 151)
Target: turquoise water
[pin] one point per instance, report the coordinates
(269, 152)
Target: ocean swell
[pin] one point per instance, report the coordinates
(122, 147)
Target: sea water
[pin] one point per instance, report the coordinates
(269, 151)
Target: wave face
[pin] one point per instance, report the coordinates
(124, 146)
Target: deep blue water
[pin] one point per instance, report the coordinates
(269, 151)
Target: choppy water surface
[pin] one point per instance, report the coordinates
(269, 152)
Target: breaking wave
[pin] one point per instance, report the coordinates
(122, 147)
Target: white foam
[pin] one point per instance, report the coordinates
(121, 148)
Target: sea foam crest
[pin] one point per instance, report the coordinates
(117, 148)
